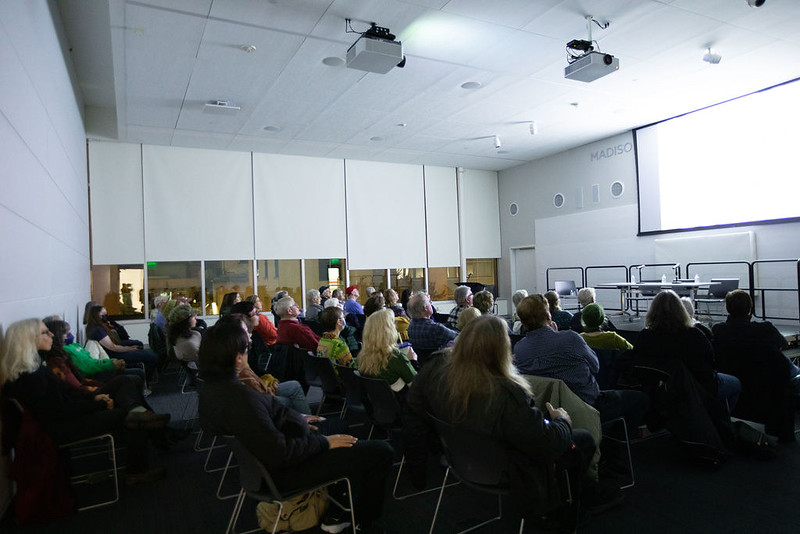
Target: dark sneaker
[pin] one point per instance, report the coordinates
(146, 420)
(147, 477)
(334, 523)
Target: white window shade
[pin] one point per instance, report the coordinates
(441, 210)
(115, 192)
(299, 207)
(385, 233)
(480, 212)
(199, 204)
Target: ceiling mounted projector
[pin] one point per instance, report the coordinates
(591, 66)
(586, 64)
(376, 51)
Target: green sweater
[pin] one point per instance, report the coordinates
(606, 340)
(84, 361)
(398, 372)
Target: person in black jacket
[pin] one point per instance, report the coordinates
(670, 334)
(280, 438)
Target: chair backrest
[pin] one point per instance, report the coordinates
(380, 401)
(609, 374)
(319, 372)
(253, 476)
(352, 386)
(720, 287)
(476, 459)
(287, 364)
(564, 287)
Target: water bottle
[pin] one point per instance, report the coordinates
(663, 278)
(697, 279)
(633, 278)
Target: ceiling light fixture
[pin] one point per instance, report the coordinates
(755, 3)
(471, 85)
(533, 128)
(248, 48)
(221, 107)
(497, 143)
(333, 61)
(711, 57)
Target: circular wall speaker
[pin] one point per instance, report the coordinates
(617, 188)
(558, 200)
(513, 209)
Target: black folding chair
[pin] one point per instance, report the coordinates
(478, 461)
(258, 484)
(319, 372)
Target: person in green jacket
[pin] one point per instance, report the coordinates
(90, 367)
(380, 356)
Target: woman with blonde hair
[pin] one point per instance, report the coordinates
(380, 356)
(484, 301)
(475, 386)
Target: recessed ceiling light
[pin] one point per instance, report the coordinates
(376, 138)
(333, 61)
(248, 48)
(272, 128)
(471, 85)
(574, 104)
(402, 124)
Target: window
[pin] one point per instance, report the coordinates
(410, 278)
(120, 288)
(278, 275)
(483, 271)
(224, 277)
(442, 282)
(175, 279)
(365, 278)
(325, 272)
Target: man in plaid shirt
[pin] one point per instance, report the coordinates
(463, 296)
(424, 333)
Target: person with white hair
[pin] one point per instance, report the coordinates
(158, 305)
(314, 305)
(290, 330)
(463, 297)
(586, 296)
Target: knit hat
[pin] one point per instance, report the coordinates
(181, 313)
(350, 289)
(592, 316)
(322, 289)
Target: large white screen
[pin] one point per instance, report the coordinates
(729, 164)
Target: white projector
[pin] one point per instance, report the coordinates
(591, 66)
(374, 54)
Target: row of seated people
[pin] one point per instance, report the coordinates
(739, 351)
(70, 396)
(298, 454)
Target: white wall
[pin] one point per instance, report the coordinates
(604, 232)
(44, 216)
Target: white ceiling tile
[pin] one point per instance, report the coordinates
(169, 57)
